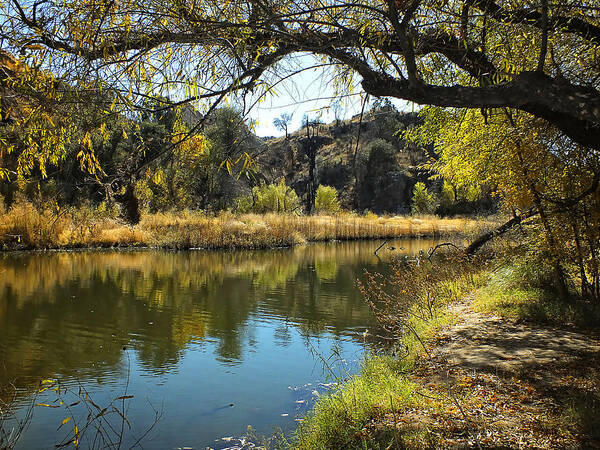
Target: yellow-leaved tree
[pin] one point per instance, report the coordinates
(541, 176)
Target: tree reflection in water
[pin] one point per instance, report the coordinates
(72, 314)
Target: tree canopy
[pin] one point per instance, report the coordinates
(537, 56)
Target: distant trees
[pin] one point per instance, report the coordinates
(337, 109)
(282, 122)
(382, 184)
(170, 184)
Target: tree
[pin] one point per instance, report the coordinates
(282, 122)
(537, 57)
(326, 200)
(227, 157)
(40, 119)
(422, 201)
(310, 147)
(548, 183)
(382, 186)
(338, 110)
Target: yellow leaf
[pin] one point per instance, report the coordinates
(64, 422)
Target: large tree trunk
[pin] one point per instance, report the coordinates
(130, 205)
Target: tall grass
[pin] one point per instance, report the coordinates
(29, 227)
(339, 417)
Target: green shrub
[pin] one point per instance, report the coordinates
(269, 198)
(326, 200)
(422, 201)
(447, 196)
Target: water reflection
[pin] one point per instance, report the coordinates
(183, 315)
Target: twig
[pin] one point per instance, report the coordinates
(379, 248)
(462, 411)
(432, 250)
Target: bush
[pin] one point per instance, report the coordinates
(269, 198)
(326, 200)
(523, 286)
(422, 201)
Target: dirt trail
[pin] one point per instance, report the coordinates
(518, 385)
(485, 342)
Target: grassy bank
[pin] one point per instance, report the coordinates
(355, 415)
(521, 290)
(26, 227)
(417, 399)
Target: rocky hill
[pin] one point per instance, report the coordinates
(365, 159)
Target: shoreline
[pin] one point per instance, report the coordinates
(134, 247)
(473, 374)
(187, 231)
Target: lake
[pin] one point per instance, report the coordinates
(213, 341)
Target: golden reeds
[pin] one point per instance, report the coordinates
(25, 226)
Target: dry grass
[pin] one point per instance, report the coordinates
(25, 226)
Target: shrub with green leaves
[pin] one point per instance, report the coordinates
(326, 200)
(422, 201)
(270, 198)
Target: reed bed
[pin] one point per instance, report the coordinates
(25, 226)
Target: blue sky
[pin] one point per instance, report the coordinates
(305, 93)
(308, 92)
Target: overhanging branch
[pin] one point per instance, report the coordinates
(573, 25)
(573, 109)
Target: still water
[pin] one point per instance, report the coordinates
(187, 334)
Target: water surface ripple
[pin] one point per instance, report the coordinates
(190, 332)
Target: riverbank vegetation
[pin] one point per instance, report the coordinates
(25, 226)
(384, 385)
(419, 394)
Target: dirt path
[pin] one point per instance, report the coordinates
(495, 383)
(518, 385)
(485, 342)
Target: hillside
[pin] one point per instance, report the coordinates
(378, 174)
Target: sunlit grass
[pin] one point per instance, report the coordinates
(27, 226)
(384, 386)
(520, 289)
(338, 418)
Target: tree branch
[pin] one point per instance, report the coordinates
(544, 45)
(573, 109)
(573, 25)
(486, 237)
